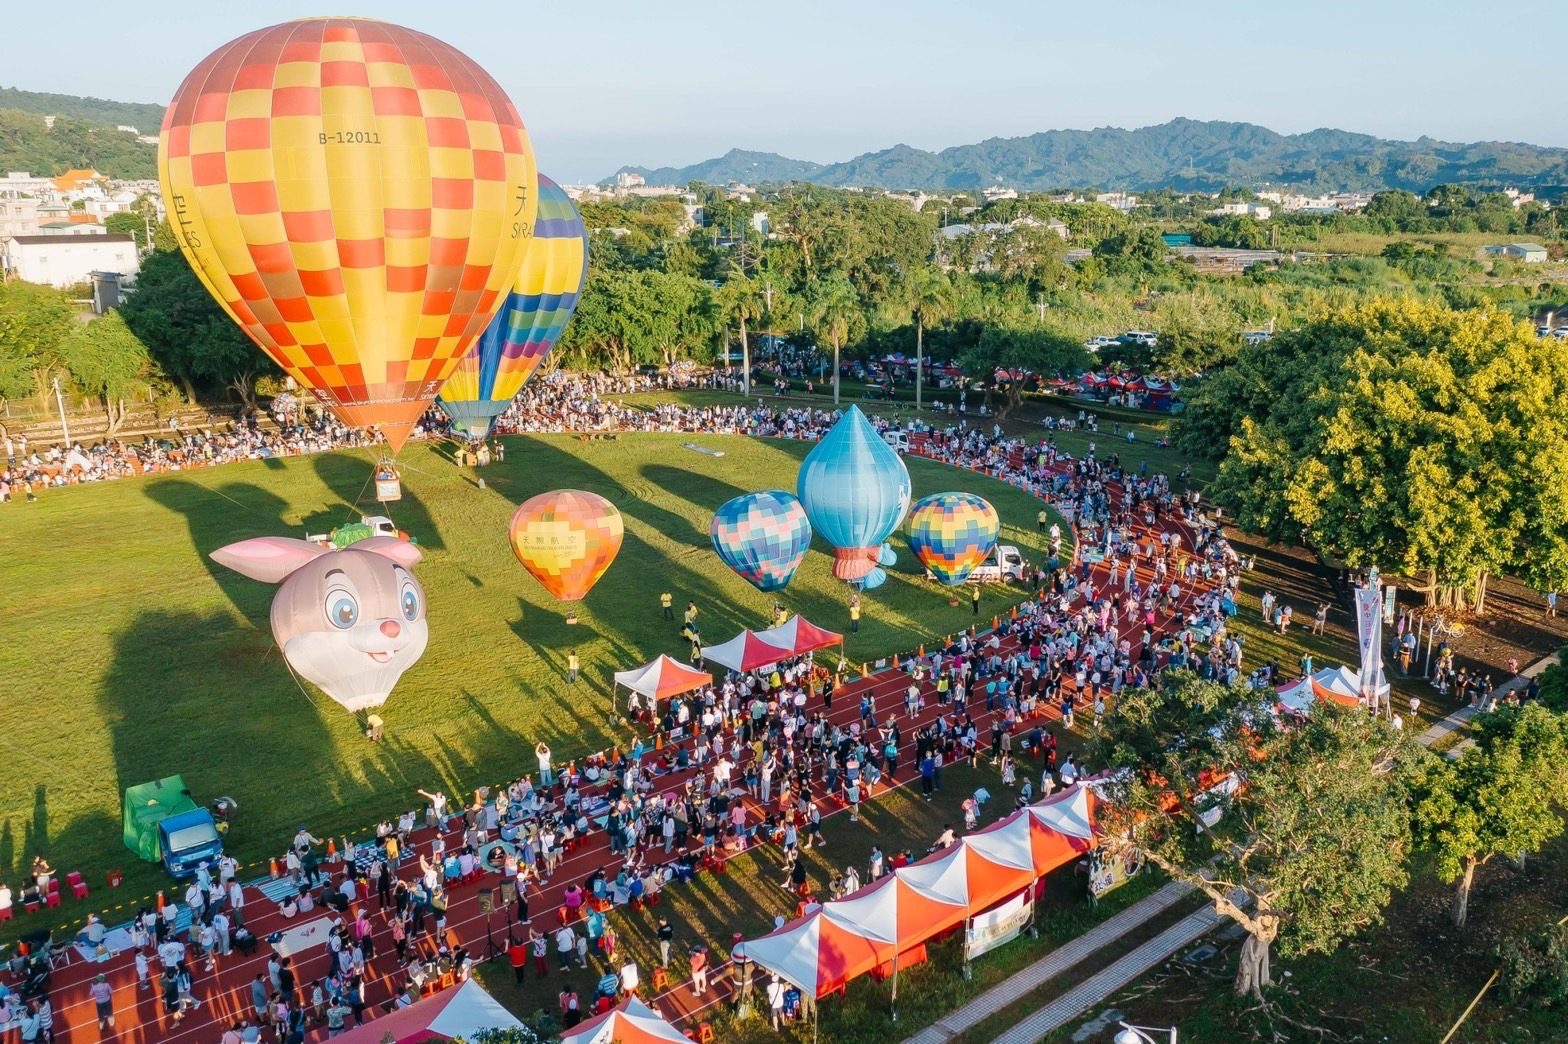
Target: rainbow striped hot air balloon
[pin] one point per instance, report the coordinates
(357, 196)
(855, 490)
(952, 533)
(763, 537)
(537, 310)
(566, 539)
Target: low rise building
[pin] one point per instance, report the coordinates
(1533, 253)
(67, 260)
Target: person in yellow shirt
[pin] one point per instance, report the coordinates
(572, 666)
(665, 601)
(1040, 519)
(854, 613)
(691, 613)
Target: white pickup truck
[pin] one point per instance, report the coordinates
(377, 525)
(1005, 564)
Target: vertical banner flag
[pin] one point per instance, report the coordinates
(1369, 626)
(995, 927)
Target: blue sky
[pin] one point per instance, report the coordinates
(603, 82)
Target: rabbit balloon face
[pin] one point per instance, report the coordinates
(350, 620)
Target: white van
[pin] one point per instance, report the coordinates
(896, 439)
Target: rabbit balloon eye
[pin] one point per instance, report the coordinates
(342, 609)
(410, 600)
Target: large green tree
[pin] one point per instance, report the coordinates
(192, 339)
(35, 322)
(928, 293)
(1404, 434)
(110, 363)
(1297, 832)
(1502, 796)
(740, 300)
(1044, 353)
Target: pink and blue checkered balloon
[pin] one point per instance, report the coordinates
(763, 537)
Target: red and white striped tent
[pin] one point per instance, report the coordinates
(460, 1012)
(663, 678)
(800, 636)
(632, 1023)
(840, 940)
(747, 651)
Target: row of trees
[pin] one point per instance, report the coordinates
(169, 341)
(1399, 433)
(1303, 831)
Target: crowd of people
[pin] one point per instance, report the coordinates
(756, 759)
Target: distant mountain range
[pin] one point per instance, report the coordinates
(144, 117)
(1184, 154)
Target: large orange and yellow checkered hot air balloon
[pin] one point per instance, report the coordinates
(358, 197)
(567, 539)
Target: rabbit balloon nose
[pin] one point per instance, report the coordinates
(390, 628)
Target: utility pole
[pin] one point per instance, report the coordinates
(65, 430)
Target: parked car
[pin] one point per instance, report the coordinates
(1147, 338)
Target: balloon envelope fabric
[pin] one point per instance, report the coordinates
(952, 533)
(855, 490)
(357, 196)
(762, 536)
(536, 312)
(567, 539)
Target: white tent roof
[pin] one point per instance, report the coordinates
(1340, 680)
(633, 1022)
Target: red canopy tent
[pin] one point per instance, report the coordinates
(747, 651)
(663, 678)
(840, 940)
(800, 636)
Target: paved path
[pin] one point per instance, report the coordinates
(1051, 965)
(1118, 974)
(1111, 978)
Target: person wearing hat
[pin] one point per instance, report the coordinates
(103, 999)
(776, 1000)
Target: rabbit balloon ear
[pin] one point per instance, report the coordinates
(268, 559)
(400, 551)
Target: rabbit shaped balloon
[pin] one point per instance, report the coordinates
(350, 619)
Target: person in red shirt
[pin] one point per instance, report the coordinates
(517, 953)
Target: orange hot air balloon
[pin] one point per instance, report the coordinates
(358, 197)
(567, 539)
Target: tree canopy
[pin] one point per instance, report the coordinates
(1404, 434)
(1299, 832)
(1502, 796)
(192, 339)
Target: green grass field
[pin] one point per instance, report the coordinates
(128, 654)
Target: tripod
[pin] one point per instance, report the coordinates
(487, 904)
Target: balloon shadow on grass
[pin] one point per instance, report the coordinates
(348, 476)
(628, 592)
(222, 514)
(187, 691)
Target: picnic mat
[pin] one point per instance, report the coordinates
(303, 937)
(115, 940)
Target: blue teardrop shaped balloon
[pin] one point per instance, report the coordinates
(856, 491)
(875, 577)
(887, 557)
